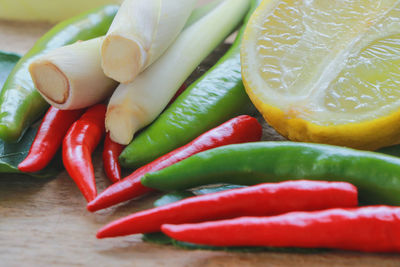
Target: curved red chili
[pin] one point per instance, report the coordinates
(111, 152)
(78, 146)
(258, 200)
(237, 130)
(367, 229)
(51, 132)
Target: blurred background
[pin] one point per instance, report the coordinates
(50, 10)
(22, 22)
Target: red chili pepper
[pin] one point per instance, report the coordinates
(237, 130)
(367, 229)
(258, 200)
(78, 146)
(111, 152)
(51, 132)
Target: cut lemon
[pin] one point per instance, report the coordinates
(326, 71)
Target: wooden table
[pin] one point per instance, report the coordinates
(44, 222)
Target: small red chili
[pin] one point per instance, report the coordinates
(111, 152)
(258, 200)
(78, 146)
(367, 229)
(48, 140)
(237, 130)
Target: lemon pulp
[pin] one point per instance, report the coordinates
(327, 66)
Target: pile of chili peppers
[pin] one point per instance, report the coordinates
(301, 213)
(307, 214)
(80, 132)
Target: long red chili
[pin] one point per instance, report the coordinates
(259, 200)
(237, 130)
(51, 132)
(78, 146)
(367, 229)
(111, 152)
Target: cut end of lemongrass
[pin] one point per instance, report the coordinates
(121, 126)
(122, 58)
(50, 81)
(70, 77)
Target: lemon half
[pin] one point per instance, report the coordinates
(326, 71)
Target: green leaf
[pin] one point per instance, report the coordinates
(215, 189)
(391, 150)
(186, 245)
(11, 154)
(7, 63)
(157, 238)
(172, 197)
(162, 239)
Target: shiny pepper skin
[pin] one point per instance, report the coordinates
(366, 229)
(377, 176)
(49, 137)
(111, 152)
(237, 130)
(259, 200)
(78, 145)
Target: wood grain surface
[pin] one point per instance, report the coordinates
(45, 223)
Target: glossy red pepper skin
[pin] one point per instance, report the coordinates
(111, 152)
(78, 145)
(259, 200)
(366, 229)
(49, 137)
(237, 130)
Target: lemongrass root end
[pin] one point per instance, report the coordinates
(120, 124)
(122, 58)
(50, 81)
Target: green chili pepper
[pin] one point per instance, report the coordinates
(377, 176)
(214, 98)
(20, 103)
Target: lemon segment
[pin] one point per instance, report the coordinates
(326, 71)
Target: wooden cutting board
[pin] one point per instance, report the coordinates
(44, 222)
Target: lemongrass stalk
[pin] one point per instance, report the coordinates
(141, 31)
(71, 77)
(135, 105)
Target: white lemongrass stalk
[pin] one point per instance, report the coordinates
(140, 33)
(71, 77)
(135, 105)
